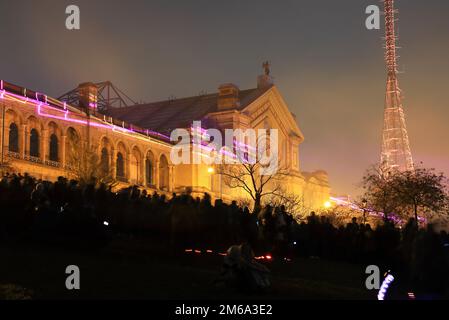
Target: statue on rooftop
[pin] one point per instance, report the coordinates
(266, 67)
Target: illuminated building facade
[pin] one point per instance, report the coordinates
(133, 141)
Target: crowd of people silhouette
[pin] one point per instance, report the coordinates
(67, 213)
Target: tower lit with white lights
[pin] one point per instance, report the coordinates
(396, 154)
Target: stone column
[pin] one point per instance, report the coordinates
(44, 145)
(156, 174)
(6, 140)
(171, 178)
(142, 171)
(113, 163)
(128, 167)
(291, 166)
(63, 151)
(24, 146)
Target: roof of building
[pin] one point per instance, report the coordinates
(164, 116)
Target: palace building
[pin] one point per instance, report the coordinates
(132, 142)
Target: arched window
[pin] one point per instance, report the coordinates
(120, 166)
(105, 160)
(149, 167)
(54, 148)
(13, 138)
(163, 174)
(34, 143)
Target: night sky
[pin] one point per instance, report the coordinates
(327, 65)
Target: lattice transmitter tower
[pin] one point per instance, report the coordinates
(396, 154)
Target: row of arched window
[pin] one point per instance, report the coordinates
(149, 168)
(120, 171)
(34, 143)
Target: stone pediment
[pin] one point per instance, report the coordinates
(271, 107)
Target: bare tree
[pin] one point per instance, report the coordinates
(84, 163)
(380, 193)
(244, 202)
(249, 176)
(341, 215)
(293, 203)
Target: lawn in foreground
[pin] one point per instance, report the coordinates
(126, 270)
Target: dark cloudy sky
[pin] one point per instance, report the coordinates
(329, 68)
